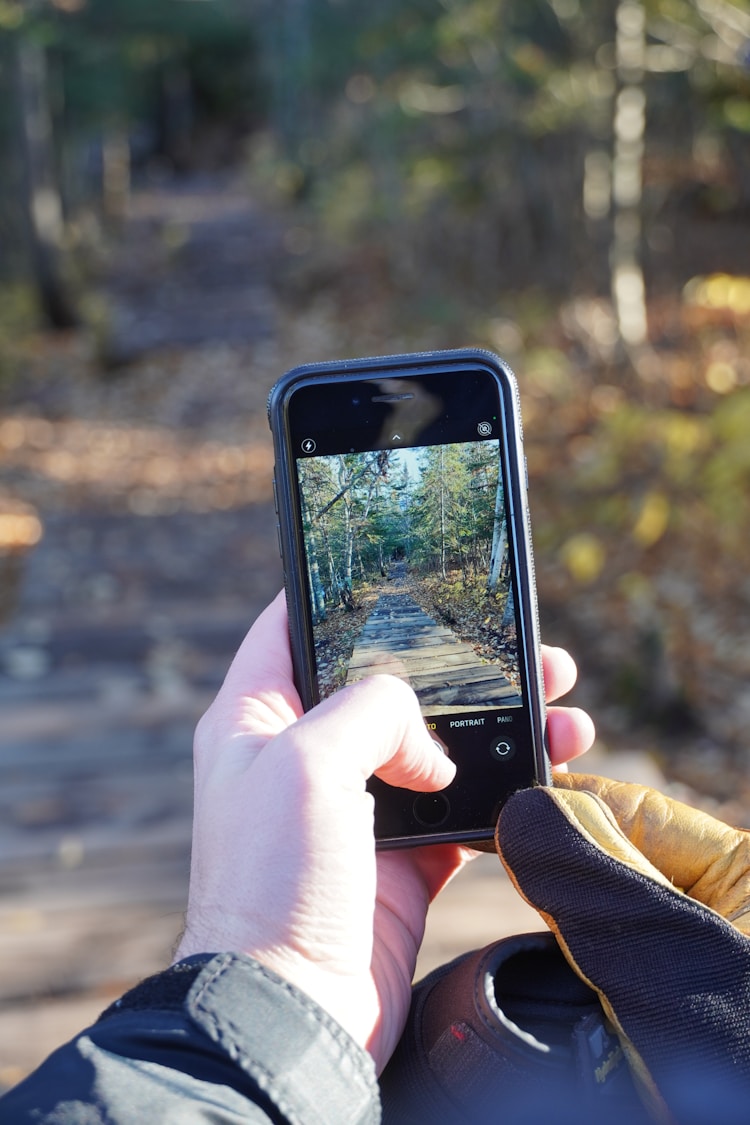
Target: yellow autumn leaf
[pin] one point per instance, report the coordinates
(584, 556)
(652, 519)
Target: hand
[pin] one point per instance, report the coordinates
(650, 902)
(284, 865)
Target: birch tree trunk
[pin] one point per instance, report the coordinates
(509, 613)
(499, 540)
(317, 593)
(443, 573)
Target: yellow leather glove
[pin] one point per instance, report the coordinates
(649, 900)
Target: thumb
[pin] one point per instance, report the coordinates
(672, 974)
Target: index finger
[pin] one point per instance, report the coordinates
(560, 671)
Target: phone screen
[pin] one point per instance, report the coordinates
(407, 490)
(417, 538)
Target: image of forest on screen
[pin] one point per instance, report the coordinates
(408, 572)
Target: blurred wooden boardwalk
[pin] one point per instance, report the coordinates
(153, 491)
(99, 699)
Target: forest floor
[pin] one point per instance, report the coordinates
(138, 543)
(336, 637)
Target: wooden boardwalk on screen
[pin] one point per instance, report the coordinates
(445, 672)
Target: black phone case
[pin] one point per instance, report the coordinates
(291, 543)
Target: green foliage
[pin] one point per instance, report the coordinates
(114, 54)
(454, 136)
(454, 509)
(434, 509)
(110, 56)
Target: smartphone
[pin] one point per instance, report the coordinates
(400, 488)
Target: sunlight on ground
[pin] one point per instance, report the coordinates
(151, 468)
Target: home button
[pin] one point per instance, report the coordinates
(431, 809)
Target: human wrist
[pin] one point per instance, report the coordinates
(349, 1000)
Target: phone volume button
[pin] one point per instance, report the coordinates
(275, 497)
(278, 540)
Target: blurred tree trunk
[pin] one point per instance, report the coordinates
(115, 172)
(43, 205)
(286, 39)
(175, 115)
(628, 285)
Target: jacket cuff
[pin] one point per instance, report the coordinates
(293, 1051)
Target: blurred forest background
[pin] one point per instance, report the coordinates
(198, 194)
(565, 181)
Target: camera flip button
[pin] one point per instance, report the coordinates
(502, 749)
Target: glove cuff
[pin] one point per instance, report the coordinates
(508, 1025)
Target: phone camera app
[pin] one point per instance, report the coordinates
(409, 571)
